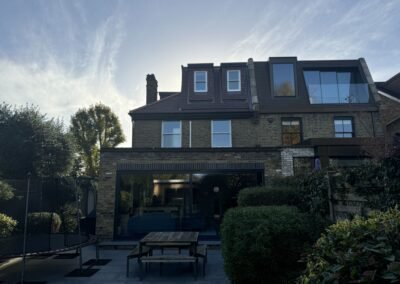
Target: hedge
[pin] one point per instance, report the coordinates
(265, 196)
(263, 244)
(357, 251)
(44, 222)
(7, 225)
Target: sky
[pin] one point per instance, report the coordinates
(63, 55)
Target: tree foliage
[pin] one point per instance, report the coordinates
(32, 143)
(6, 191)
(93, 129)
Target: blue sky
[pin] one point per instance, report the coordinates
(64, 54)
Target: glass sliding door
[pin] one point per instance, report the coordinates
(149, 202)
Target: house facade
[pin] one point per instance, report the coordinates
(389, 92)
(232, 126)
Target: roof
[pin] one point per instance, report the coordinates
(217, 102)
(391, 86)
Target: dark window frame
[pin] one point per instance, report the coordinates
(291, 133)
(271, 70)
(353, 132)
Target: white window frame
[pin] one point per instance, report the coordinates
(206, 82)
(162, 133)
(230, 133)
(227, 81)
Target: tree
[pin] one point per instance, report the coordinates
(93, 129)
(32, 143)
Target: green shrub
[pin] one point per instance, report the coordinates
(263, 244)
(69, 218)
(265, 196)
(44, 222)
(7, 225)
(357, 251)
(6, 191)
(313, 192)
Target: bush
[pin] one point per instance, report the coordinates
(43, 222)
(6, 191)
(265, 196)
(69, 218)
(262, 244)
(7, 225)
(313, 192)
(357, 251)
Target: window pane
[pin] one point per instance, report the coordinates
(172, 140)
(172, 127)
(220, 126)
(338, 125)
(201, 86)
(344, 86)
(295, 139)
(221, 140)
(283, 75)
(233, 86)
(347, 135)
(347, 127)
(329, 87)
(313, 86)
(200, 76)
(233, 75)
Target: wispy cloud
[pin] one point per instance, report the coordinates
(323, 30)
(82, 75)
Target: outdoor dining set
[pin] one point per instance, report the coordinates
(168, 247)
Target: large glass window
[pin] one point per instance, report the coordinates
(343, 127)
(283, 80)
(233, 80)
(200, 81)
(171, 134)
(291, 131)
(154, 202)
(221, 133)
(334, 87)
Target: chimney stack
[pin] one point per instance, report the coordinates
(151, 89)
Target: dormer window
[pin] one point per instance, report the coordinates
(283, 80)
(233, 80)
(335, 87)
(200, 81)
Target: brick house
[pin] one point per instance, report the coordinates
(389, 92)
(233, 126)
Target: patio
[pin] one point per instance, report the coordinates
(53, 270)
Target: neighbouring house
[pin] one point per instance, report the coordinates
(389, 92)
(233, 126)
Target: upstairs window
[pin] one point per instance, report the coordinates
(200, 81)
(343, 127)
(221, 135)
(233, 80)
(171, 134)
(291, 131)
(334, 87)
(283, 80)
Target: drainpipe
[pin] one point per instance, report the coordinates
(253, 85)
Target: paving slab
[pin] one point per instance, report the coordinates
(54, 270)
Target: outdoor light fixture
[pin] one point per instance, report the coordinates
(216, 189)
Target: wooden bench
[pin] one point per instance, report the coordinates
(163, 246)
(136, 254)
(168, 259)
(201, 252)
